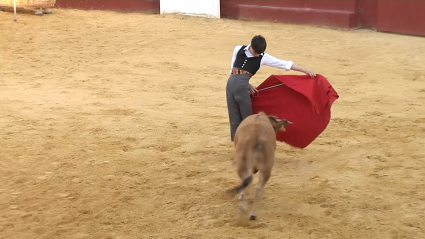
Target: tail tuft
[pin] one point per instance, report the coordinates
(243, 185)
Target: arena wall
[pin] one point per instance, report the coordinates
(207, 8)
(338, 14)
(148, 6)
(406, 17)
(398, 16)
(368, 14)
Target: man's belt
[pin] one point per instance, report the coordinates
(237, 71)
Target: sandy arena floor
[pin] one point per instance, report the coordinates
(115, 126)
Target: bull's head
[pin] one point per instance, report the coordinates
(279, 124)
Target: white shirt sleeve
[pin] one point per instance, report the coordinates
(272, 61)
(235, 52)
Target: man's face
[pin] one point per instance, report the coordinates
(253, 52)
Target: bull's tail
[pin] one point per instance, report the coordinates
(243, 185)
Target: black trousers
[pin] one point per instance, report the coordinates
(238, 100)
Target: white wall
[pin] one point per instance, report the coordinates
(208, 8)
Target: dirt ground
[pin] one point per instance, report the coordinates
(115, 125)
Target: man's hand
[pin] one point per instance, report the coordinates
(310, 73)
(301, 69)
(252, 89)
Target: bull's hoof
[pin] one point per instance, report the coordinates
(252, 217)
(38, 13)
(47, 11)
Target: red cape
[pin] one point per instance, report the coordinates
(303, 100)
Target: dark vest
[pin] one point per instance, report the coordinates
(250, 64)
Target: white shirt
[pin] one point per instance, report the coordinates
(267, 59)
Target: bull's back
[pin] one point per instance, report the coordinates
(255, 131)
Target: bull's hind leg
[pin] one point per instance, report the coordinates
(243, 173)
(47, 11)
(38, 12)
(243, 205)
(262, 181)
(243, 200)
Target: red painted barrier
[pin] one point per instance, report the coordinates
(405, 17)
(368, 14)
(338, 14)
(399, 16)
(346, 5)
(147, 6)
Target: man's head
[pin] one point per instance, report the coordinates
(258, 44)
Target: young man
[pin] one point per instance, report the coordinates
(246, 61)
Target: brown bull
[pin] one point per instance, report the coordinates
(255, 145)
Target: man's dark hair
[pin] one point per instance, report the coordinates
(258, 44)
